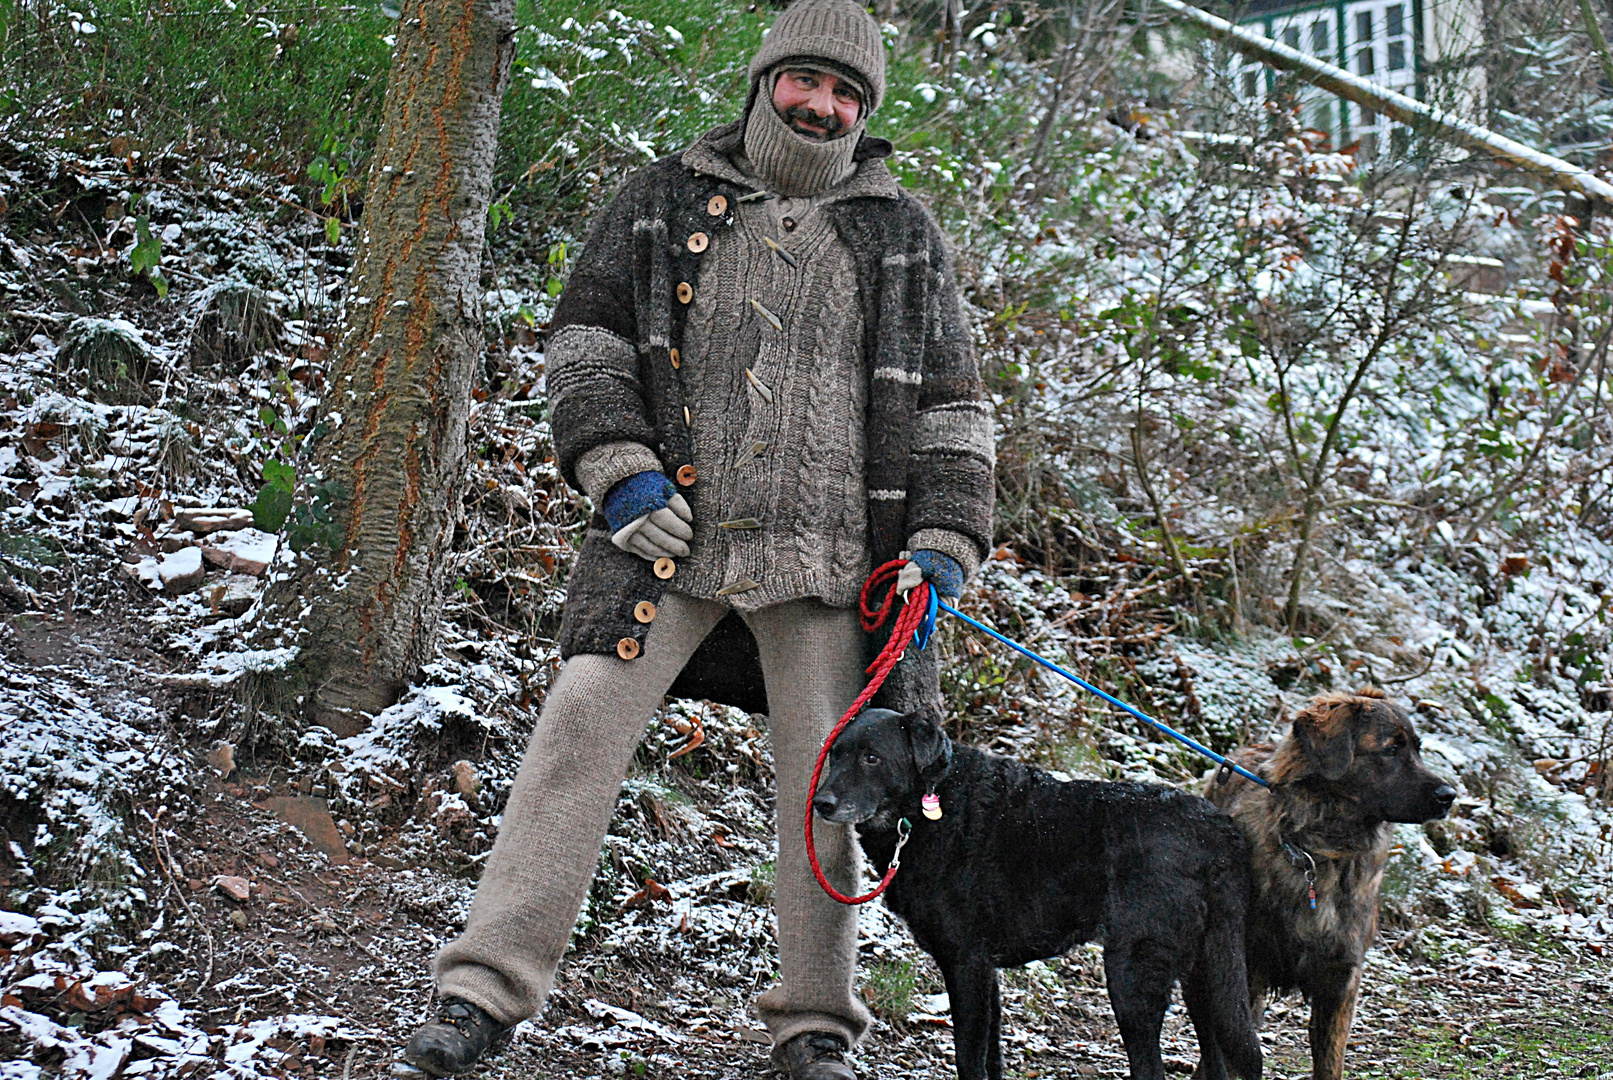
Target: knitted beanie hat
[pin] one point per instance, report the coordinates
(839, 31)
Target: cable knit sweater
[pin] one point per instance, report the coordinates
(778, 413)
(648, 298)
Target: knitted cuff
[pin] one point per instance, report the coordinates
(608, 464)
(940, 570)
(947, 542)
(639, 494)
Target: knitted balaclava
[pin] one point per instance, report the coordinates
(829, 35)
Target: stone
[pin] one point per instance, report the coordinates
(181, 571)
(174, 541)
(238, 919)
(210, 519)
(247, 551)
(145, 572)
(466, 780)
(222, 758)
(121, 509)
(311, 817)
(238, 889)
(233, 596)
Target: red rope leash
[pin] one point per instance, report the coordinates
(872, 619)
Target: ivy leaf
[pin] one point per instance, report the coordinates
(333, 231)
(145, 257)
(271, 508)
(280, 476)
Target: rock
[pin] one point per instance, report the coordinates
(202, 520)
(222, 758)
(235, 594)
(121, 509)
(145, 572)
(311, 817)
(245, 552)
(466, 780)
(172, 542)
(181, 571)
(102, 469)
(238, 919)
(238, 889)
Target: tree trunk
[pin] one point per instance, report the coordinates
(366, 617)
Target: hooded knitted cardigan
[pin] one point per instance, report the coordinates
(929, 454)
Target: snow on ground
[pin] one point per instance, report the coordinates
(134, 796)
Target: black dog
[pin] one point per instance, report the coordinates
(1022, 866)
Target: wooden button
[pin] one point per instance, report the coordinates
(717, 207)
(627, 648)
(698, 242)
(685, 292)
(665, 568)
(676, 362)
(685, 475)
(644, 611)
(789, 224)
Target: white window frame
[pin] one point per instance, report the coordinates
(1309, 97)
(1371, 128)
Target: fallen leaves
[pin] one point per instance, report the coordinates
(653, 890)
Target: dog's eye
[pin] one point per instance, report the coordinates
(870, 759)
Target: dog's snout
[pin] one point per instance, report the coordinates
(824, 802)
(1445, 795)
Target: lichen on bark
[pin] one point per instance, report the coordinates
(365, 618)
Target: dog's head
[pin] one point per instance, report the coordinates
(1364, 749)
(880, 766)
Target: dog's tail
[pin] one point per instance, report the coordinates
(1222, 973)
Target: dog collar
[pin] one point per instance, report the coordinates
(1302, 860)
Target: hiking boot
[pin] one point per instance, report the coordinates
(815, 1055)
(456, 1040)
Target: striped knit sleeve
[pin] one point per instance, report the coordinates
(591, 362)
(951, 484)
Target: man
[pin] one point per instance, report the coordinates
(759, 374)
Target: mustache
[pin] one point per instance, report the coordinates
(832, 125)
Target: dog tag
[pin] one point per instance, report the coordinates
(931, 805)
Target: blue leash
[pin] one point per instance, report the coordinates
(921, 638)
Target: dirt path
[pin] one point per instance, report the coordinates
(355, 942)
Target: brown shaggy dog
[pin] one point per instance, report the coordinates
(1349, 767)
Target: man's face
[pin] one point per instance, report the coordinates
(816, 104)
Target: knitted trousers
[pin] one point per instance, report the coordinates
(561, 804)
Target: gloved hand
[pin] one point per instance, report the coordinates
(648, 517)
(938, 568)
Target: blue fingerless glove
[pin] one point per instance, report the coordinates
(940, 570)
(639, 494)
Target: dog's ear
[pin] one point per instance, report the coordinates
(1326, 730)
(931, 749)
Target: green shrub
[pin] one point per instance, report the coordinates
(889, 988)
(217, 77)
